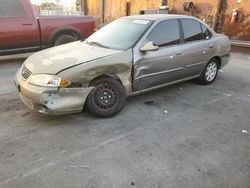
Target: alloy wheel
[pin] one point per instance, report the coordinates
(211, 71)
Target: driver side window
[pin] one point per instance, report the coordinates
(166, 33)
(12, 8)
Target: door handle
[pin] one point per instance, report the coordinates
(178, 53)
(26, 24)
(211, 46)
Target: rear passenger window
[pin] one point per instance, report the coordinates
(11, 8)
(165, 33)
(206, 34)
(192, 30)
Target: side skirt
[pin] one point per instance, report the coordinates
(161, 86)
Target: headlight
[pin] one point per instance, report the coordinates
(49, 81)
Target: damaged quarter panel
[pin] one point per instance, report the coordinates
(223, 49)
(117, 65)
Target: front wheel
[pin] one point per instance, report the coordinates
(210, 72)
(107, 99)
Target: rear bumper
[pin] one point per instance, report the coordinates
(52, 101)
(225, 60)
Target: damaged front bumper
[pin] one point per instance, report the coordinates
(64, 101)
(52, 101)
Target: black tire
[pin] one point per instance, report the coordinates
(107, 99)
(63, 39)
(209, 73)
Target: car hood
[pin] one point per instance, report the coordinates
(53, 60)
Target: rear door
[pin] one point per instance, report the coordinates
(18, 28)
(154, 68)
(198, 47)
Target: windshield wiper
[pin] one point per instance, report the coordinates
(97, 44)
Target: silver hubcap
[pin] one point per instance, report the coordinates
(211, 71)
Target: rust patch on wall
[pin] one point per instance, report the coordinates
(94, 8)
(241, 29)
(237, 31)
(114, 9)
(117, 8)
(136, 5)
(203, 9)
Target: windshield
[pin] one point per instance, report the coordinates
(120, 34)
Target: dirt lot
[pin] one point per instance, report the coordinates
(184, 135)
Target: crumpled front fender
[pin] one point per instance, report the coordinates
(65, 100)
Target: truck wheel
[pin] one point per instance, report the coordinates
(107, 99)
(64, 39)
(209, 73)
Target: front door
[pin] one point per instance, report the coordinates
(154, 68)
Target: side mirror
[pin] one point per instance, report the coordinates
(149, 46)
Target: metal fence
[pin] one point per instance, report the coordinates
(60, 13)
(57, 8)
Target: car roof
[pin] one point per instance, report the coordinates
(154, 17)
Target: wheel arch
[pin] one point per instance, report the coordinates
(64, 31)
(218, 59)
(114, 76)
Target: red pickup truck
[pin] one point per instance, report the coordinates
(22, 30)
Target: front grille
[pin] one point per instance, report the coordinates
(27, 101)
(25, 73)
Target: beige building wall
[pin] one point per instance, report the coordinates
(205, 10)
(117, 8)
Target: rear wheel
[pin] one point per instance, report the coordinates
(107, 99)
(210, 72)
(64, 39)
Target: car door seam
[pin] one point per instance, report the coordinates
(157, 73)
(195, 64)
